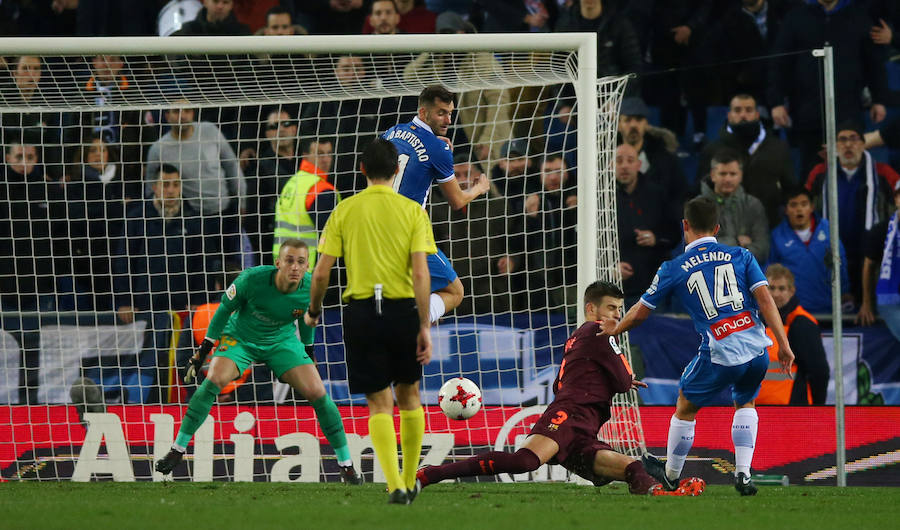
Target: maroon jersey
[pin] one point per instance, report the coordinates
(593, 368)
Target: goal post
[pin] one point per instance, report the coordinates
(105, 276)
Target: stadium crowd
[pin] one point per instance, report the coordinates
(143, 212)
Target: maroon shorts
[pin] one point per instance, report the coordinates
(574, 428)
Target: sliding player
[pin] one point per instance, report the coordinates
(715, 283)
(424, 156)
(255, 323)
(593, 370)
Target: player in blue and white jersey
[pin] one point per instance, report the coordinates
(425, 156)
(724, 291)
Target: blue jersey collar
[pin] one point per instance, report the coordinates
(422, 124)
(698, 242)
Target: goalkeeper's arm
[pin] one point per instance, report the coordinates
(213, 332)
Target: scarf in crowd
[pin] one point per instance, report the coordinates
(871, 192)
(756, 143)
(887, 290)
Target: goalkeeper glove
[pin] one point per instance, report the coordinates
(196, 362)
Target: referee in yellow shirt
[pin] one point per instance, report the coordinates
(384, 238)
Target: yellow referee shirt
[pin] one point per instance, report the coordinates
(375, 231)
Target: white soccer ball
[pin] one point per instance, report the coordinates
(459, 398)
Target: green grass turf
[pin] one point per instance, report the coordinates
(187, 506)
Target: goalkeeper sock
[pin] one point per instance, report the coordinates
(492, 463)
(333, 427)
(436, 307)
(384, 440)
(743, 434)
(681, 438)
(412, 430)
(199, 407)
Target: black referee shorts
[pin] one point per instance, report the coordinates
(381, 350)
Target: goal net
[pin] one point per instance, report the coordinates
(143, 174)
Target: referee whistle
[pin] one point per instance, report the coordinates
(378, 298)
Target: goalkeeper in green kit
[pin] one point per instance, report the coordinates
(255, 323)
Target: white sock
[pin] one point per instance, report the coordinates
(681, 438)
(743, 434)
(179, 448)
(345, 463)
(436, 307)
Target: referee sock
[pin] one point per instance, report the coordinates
(198, 408)
(436, 307)
(384, 440)
(333, 427)
(743, 434)
(681, 438)
(412, 430)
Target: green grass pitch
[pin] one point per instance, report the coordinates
(466, 506)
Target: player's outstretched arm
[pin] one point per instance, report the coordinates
(457, 197)
(317, 289)
(633, 318)
(769, 311)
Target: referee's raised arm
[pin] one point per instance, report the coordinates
(384, 239)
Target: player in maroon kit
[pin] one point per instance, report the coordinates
(593, 370)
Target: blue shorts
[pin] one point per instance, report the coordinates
(702, 381)
(442, 273)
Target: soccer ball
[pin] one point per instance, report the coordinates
(459, 398)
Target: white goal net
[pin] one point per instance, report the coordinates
(142, 175)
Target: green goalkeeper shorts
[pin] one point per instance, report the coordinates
(279, 357)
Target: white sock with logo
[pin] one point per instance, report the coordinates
(681, 439)
(743, 434)
(436, 307)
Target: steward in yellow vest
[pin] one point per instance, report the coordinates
(303, 207)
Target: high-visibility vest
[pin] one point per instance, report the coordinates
(777, 386)
(292, 219)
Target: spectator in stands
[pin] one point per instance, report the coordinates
(677, 30)
(768, 168)
(351, 122)
(216, 18)
(158, 267)
(881, 272)
(95, 213)
(886, 17)
(794, 80)
(211, 181)
(307, 199)
(742, 218)
(802, 243)
(484, 115)
(278, 161)
(647, 225)
(509, 173)
(543, 238)
(414, 18)
(30, 242)
(42, 129)
(280, 22)
(330, 17)
(516, 16)
(810, 371)
(384, 17)
(110, 84)
(473, 238)
(747, 30)
(658, 163)
(102, 18)
(888, 134)
(864, 189)
(254, 13)
(618, 48)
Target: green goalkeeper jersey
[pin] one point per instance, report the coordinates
(261, 314)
